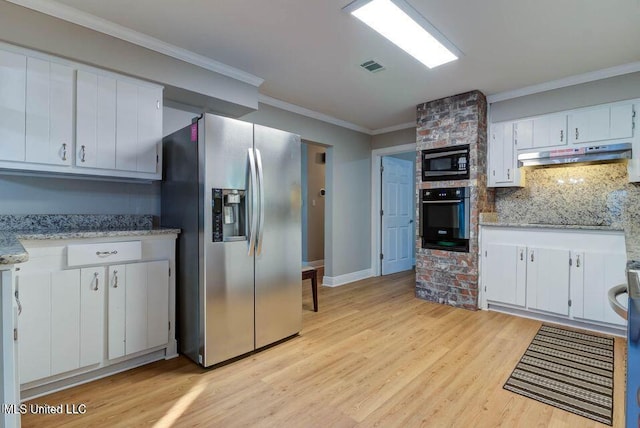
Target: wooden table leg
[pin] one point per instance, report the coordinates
(314, 289)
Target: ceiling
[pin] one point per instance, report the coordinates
(308, 52)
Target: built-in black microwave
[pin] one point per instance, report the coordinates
(447, 163)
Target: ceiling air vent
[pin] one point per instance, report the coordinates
(372, 66)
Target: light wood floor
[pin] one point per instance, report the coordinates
(373, 356)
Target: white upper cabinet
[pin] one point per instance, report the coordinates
(502, 167)
(550, 130)
(49, 112)
(149, 127)
(523, 134)
(95, 121)
(117, 120)
(13, 81)
(607, 122)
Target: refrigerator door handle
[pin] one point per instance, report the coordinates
(261, 214)
(254, 202)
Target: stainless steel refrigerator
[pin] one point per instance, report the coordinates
(234, 189)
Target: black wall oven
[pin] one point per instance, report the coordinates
(444, 219)
(447, 163)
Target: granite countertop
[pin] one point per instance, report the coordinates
(12, 251)
(552, 226)
(37, 227)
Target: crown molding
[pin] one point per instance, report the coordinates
(393, 128)
(283, 105)
(591, 76)
(75, 16)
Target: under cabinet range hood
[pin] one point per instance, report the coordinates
(592, 154)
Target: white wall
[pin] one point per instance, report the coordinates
(45, 195)
(395, 138)
(183, 82)
(617, 88)
(348, 175)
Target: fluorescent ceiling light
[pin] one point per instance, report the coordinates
(406, 28)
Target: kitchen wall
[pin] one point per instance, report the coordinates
(587, 195)
(49, 195)
(617, 88)
(395, 138)
(183, 82)
(314, 202)
(348, 184)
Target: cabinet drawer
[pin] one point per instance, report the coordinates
(106, 252)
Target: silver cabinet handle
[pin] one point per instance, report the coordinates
(532, 256)
(508, 174)
(578, 261)
(82, 153)
(106, 253)
(521, 255)
(158, 105)
(64, 151)
(115, 279)
(18, 302)
(561, 135)
(95, 277)
(577, 134)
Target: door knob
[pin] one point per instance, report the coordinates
(410, 221)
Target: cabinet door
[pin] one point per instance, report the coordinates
(34, 344)
(96, 121)
(548, 280)
(136, 308)
(621, 121)
(590, 124)
(502, 273)
(13, 82)
(91, 315)
(601, 271)
(49, 113)
(523, 134)
(117, 280)
(65, 321)
(126, 126)
(86, 119)
(157, 303)
(149, 128)
(502, 154)
(550, 130)
(61, 114)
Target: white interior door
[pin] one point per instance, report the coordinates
(397, 215)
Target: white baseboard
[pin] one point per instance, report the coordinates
(335, 281)
(611, 329)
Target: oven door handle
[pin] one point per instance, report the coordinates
(451, 201)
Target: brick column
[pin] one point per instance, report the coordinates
(445, 276)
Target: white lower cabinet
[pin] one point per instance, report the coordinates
(505, 273)
(34, 344)
(91, 315)
(548, 280)
(138, 307)
(61, 325)
(592, 275)
(558, 273)
(63, 329)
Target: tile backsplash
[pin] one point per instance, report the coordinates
(581, 195)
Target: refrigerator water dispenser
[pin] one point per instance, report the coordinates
(228, 206)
